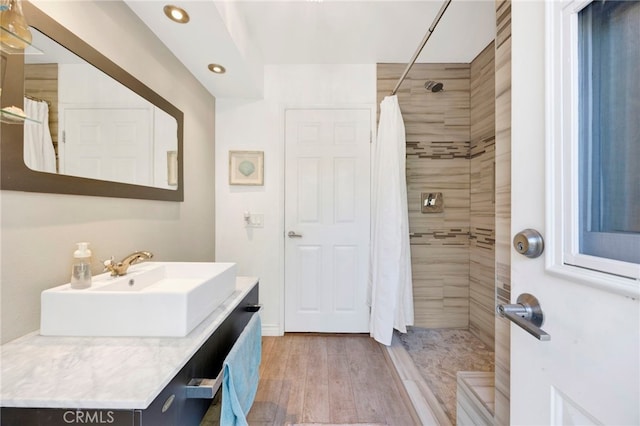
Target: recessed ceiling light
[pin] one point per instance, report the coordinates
(218, 69)
(176, 14)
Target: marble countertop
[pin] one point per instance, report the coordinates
(102, 372)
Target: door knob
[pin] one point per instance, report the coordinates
(529, 243)
(527, 314)
(292, 234)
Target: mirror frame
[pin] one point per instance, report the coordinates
(15, 175)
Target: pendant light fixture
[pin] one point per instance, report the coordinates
(15, 31)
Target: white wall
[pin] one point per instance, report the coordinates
(84, 84)
(39, 231)
(259, 125)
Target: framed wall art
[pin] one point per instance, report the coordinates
(246, 167)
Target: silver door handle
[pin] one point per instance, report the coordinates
(527, 314)
(292, 234)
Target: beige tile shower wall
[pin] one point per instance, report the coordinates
(482, 219)
(503, 206)
(437, 128)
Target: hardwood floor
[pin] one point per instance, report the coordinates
(328, 379)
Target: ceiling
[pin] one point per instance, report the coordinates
(244, 36)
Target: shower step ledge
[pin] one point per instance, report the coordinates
(475, 398)
(424, 401)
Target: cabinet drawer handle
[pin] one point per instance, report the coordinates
(167, 403)
(253, 308)
(203, 388)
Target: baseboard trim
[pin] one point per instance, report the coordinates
(271, 330)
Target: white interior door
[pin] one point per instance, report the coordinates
(108, 144)
(327, 215)
(588, 372)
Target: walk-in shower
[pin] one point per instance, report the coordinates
(450, 149)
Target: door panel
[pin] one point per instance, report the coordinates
(309, 194)
(327, 193)
(108, 144)
(309, 262)
(344, 257)
(345, 189)
(588, 373)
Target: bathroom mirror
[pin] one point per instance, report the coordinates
(114, 136)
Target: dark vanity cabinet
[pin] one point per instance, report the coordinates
(171, 407)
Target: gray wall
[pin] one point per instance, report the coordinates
(39, 231)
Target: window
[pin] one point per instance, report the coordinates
(609, 130)
(593, 140)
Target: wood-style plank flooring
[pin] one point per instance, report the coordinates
(328, 379)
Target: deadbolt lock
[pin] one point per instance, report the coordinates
(529, 243)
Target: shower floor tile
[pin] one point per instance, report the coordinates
(440, 353)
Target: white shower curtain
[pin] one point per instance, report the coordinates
(390, 285)
(38, 147)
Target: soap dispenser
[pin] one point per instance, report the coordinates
(81, 269)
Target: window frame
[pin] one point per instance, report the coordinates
(562, 174)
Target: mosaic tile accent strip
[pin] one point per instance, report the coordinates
(438, 150)
(482, 146)
(483, 238)
(449, 237)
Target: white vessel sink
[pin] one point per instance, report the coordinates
(152, 299)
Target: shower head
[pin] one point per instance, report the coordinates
(434, 86)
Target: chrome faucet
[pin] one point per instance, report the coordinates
(120, 268)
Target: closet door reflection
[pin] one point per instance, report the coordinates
(107, 144)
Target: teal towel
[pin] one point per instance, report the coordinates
(240, 374)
